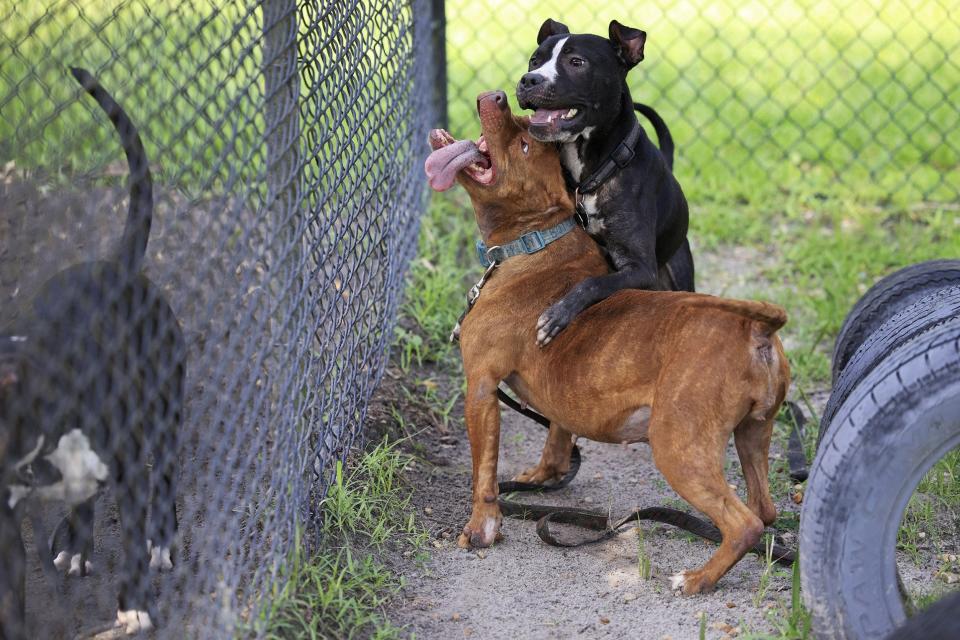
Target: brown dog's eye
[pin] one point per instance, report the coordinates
(524, 146)
(577, 62)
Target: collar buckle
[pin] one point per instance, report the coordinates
(532, 242)
(622, 155)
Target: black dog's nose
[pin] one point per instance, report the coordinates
(530, 80)
(499, 98)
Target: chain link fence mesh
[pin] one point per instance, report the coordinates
(222, 380)
(818, 95)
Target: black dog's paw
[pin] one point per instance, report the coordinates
(553, 321)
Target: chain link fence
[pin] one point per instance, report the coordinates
(215, 383)
(813, 95)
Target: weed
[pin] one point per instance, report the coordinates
(643, 559)
(340, 591)
(766, 573)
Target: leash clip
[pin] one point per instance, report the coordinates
(473, 294)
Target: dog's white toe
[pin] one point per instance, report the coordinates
(678, 580)
(70, 563)
(160, 559)
(134, 621)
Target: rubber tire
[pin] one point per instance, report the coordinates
(885, 298)
(941, 621)
(901, 418)
(930, 311)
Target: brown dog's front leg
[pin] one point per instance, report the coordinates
(483, 427)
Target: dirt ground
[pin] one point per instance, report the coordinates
(523, 588)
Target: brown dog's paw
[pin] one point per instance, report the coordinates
(541, 474)
(690, 583)
(480, 533)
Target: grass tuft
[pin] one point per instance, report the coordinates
(341, 591)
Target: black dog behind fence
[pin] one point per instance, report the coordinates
(210, 372)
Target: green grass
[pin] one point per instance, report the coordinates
(934, 508)
(791, 623)
(762, 97)
(341, 591)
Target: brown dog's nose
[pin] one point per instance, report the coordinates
(498, 98)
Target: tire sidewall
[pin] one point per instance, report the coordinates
(863, 479)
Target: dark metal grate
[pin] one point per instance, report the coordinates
(285, 141)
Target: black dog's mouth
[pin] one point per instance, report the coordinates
(549, 124)
(549, 117)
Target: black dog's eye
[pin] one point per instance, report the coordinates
(524, 146)
(577, 62)
(533, 63)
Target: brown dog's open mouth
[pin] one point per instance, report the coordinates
(451, 156)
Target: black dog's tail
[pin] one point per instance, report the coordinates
(133, 247)
(663, 133)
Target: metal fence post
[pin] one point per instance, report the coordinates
(438, 40)
(281, 113)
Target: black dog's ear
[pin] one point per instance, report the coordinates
(628, 42)
(551, 28)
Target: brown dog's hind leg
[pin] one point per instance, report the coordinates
(691, 459)
(483, 427)
(752, 438)
(555, 460)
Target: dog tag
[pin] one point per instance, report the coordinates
(581, 215)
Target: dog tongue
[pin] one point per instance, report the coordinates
(443, 164)
(544, 116)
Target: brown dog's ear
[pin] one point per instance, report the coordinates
(628, 42)
(551, 28)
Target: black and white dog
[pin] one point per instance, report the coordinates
(626, 193)
(92, 394)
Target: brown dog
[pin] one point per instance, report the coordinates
(681, 371)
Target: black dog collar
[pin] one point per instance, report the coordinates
(618, 159)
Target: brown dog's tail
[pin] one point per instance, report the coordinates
(771, 315)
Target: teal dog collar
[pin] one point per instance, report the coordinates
(526, 244)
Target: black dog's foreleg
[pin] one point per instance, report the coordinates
(72, 540)
(164, 432)
(12, 577)
(589, 292)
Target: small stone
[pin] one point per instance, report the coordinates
(481, 554)
(798, 497)
(732, 486)
(467, 631)
(604, 620)
(455, 617)
(700, 615)
(428, 511)
(588, 500)
(629, 596)
(798, 487)
(445, 535)
(921, 535)
(437, 544)
(598, 476)
(731, 605)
